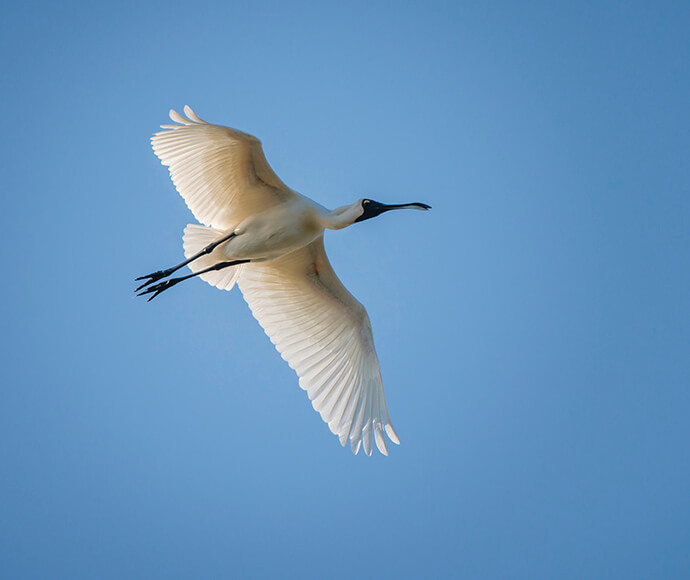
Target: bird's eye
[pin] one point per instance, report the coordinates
(365, 201)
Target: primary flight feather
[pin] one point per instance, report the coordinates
(268, 239)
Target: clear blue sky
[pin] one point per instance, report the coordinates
(533, 329)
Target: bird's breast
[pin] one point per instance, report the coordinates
(273, 233)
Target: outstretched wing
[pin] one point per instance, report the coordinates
(221, 173)
(324, 334)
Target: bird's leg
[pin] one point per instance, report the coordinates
(156, 289)
(150, 278)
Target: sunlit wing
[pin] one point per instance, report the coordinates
(221, 173)
(324, 334)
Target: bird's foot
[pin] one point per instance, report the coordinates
(156, 289)
(151, 278)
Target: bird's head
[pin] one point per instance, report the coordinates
(371, 208)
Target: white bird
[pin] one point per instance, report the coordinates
(268, 239)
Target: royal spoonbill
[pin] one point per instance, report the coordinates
(268, 239)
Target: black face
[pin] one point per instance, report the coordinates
(373, 208)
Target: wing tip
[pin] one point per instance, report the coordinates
(392, 435)
(177, 118)
(191, 115)
(191, 118)
(380, 440)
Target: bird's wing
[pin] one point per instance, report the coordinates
(324, 334)
(221, 173)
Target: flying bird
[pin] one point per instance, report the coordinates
(267, 238)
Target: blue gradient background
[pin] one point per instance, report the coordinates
(533, 329)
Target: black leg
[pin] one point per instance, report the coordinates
(156, 289)
(151, 278)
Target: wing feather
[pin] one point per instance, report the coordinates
(221, 173)
(324, 334)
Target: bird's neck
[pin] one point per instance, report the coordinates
(341, 217)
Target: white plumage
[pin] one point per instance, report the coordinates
(268, 239)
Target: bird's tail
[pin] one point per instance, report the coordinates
(195, 239)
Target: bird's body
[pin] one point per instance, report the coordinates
(268, 239)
